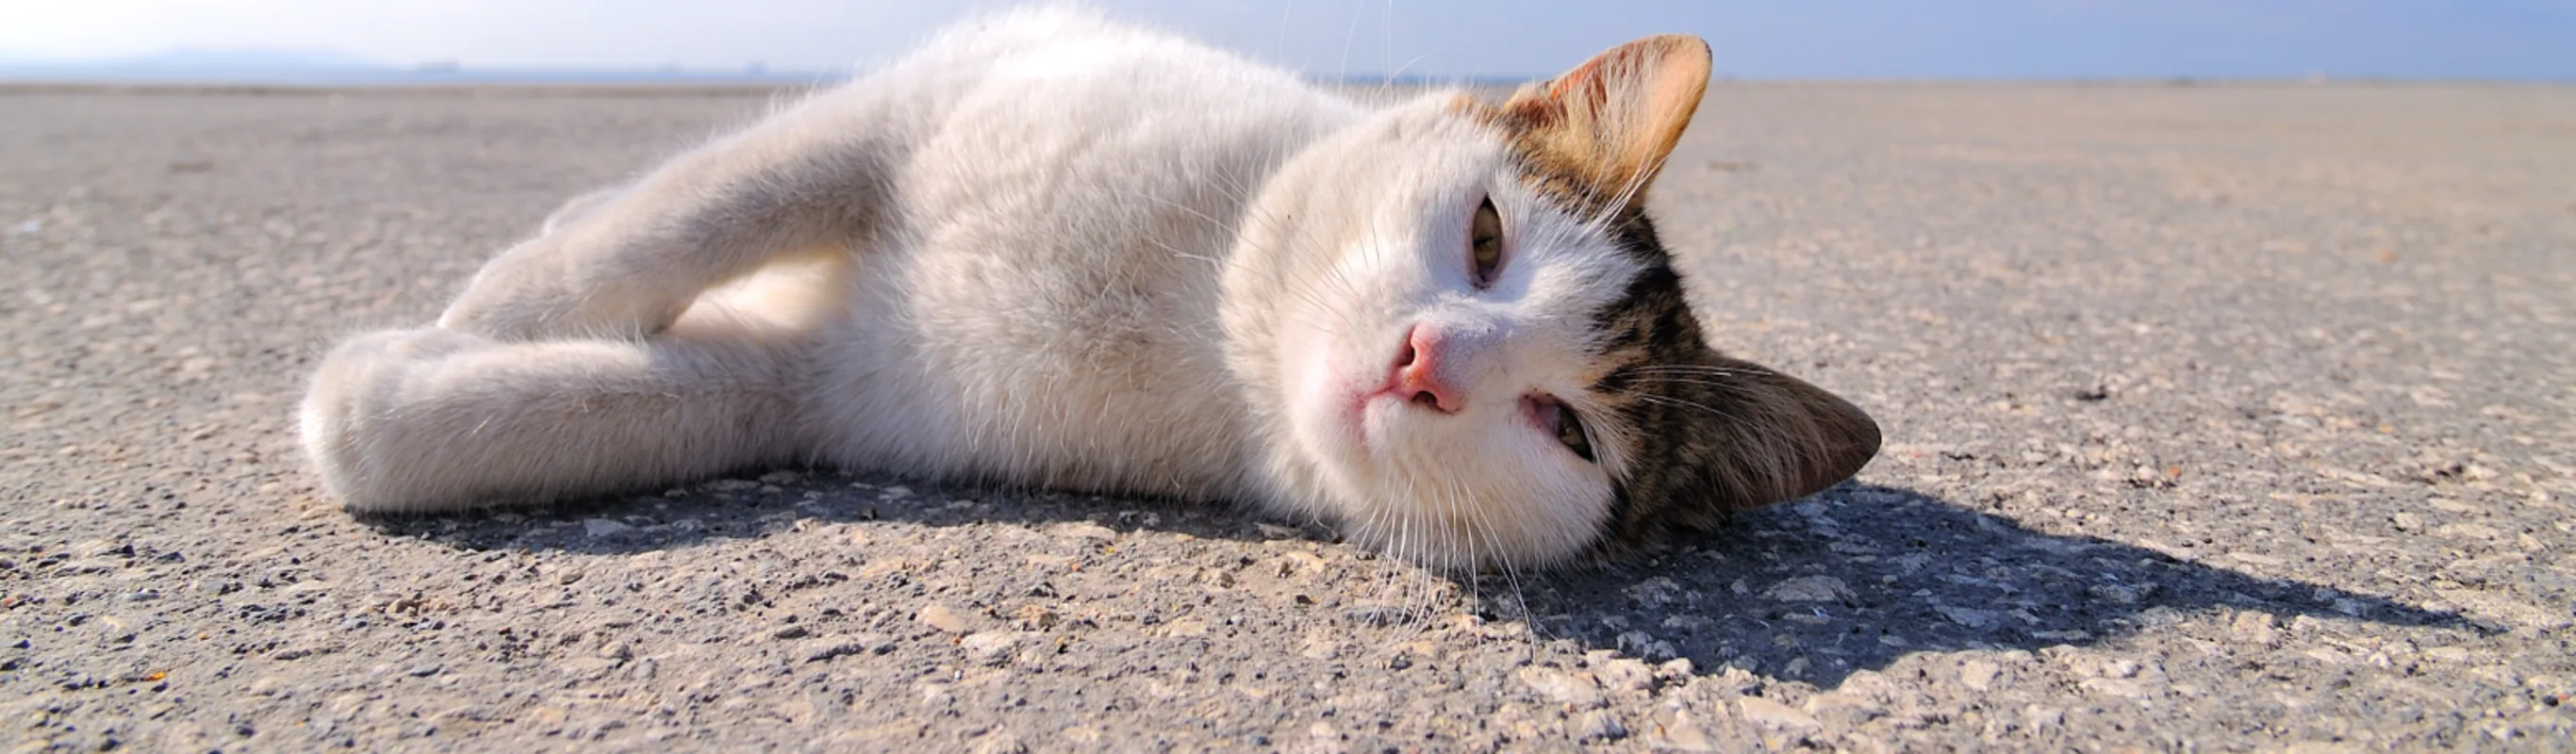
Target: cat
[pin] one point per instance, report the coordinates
(1048, 249)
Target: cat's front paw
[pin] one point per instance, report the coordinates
(526, 295)
(513, 312)
(351, 411)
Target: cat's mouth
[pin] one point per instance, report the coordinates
(1414, 387)
(1401, 397)
(1371, 417)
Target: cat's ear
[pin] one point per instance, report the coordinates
(1779, 438)
(1611, 121)
(1721, 435)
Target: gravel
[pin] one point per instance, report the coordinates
(2218, 417)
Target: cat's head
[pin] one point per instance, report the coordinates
(1472, 349)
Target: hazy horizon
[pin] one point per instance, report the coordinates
(2510, 40)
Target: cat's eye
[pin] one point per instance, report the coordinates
(1559, 420)
(1485, 244)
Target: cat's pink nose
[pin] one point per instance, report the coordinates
(1417, 372)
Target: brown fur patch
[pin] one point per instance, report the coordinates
(1715, 434)
(1599, 133)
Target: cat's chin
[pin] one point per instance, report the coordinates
(1450, 492)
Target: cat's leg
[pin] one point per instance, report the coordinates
(434, 419)
(577, 207)
(624, 262)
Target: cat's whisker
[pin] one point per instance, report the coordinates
(1179, 254)
(1694, 367)
(1679, 403)
(1718, 384)
(1501, 557)
(1722, 379)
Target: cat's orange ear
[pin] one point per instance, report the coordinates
(1611, 121)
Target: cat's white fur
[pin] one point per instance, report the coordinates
(1045, 249)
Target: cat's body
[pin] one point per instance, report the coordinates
(1055, 251)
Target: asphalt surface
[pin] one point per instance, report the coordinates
(2219, 418)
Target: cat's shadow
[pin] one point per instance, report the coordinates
(1847, 580)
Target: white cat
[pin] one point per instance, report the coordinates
(1051, 250)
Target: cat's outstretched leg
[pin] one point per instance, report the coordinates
(624, 263)
(577, 207)
(434, 419)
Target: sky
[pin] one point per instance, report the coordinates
(1759, 39)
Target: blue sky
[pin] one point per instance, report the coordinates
(2488, 39)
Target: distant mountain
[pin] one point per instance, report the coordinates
(189, 62)
(243, 59)
(267, 66)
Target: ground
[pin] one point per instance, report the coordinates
(2218, 417)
